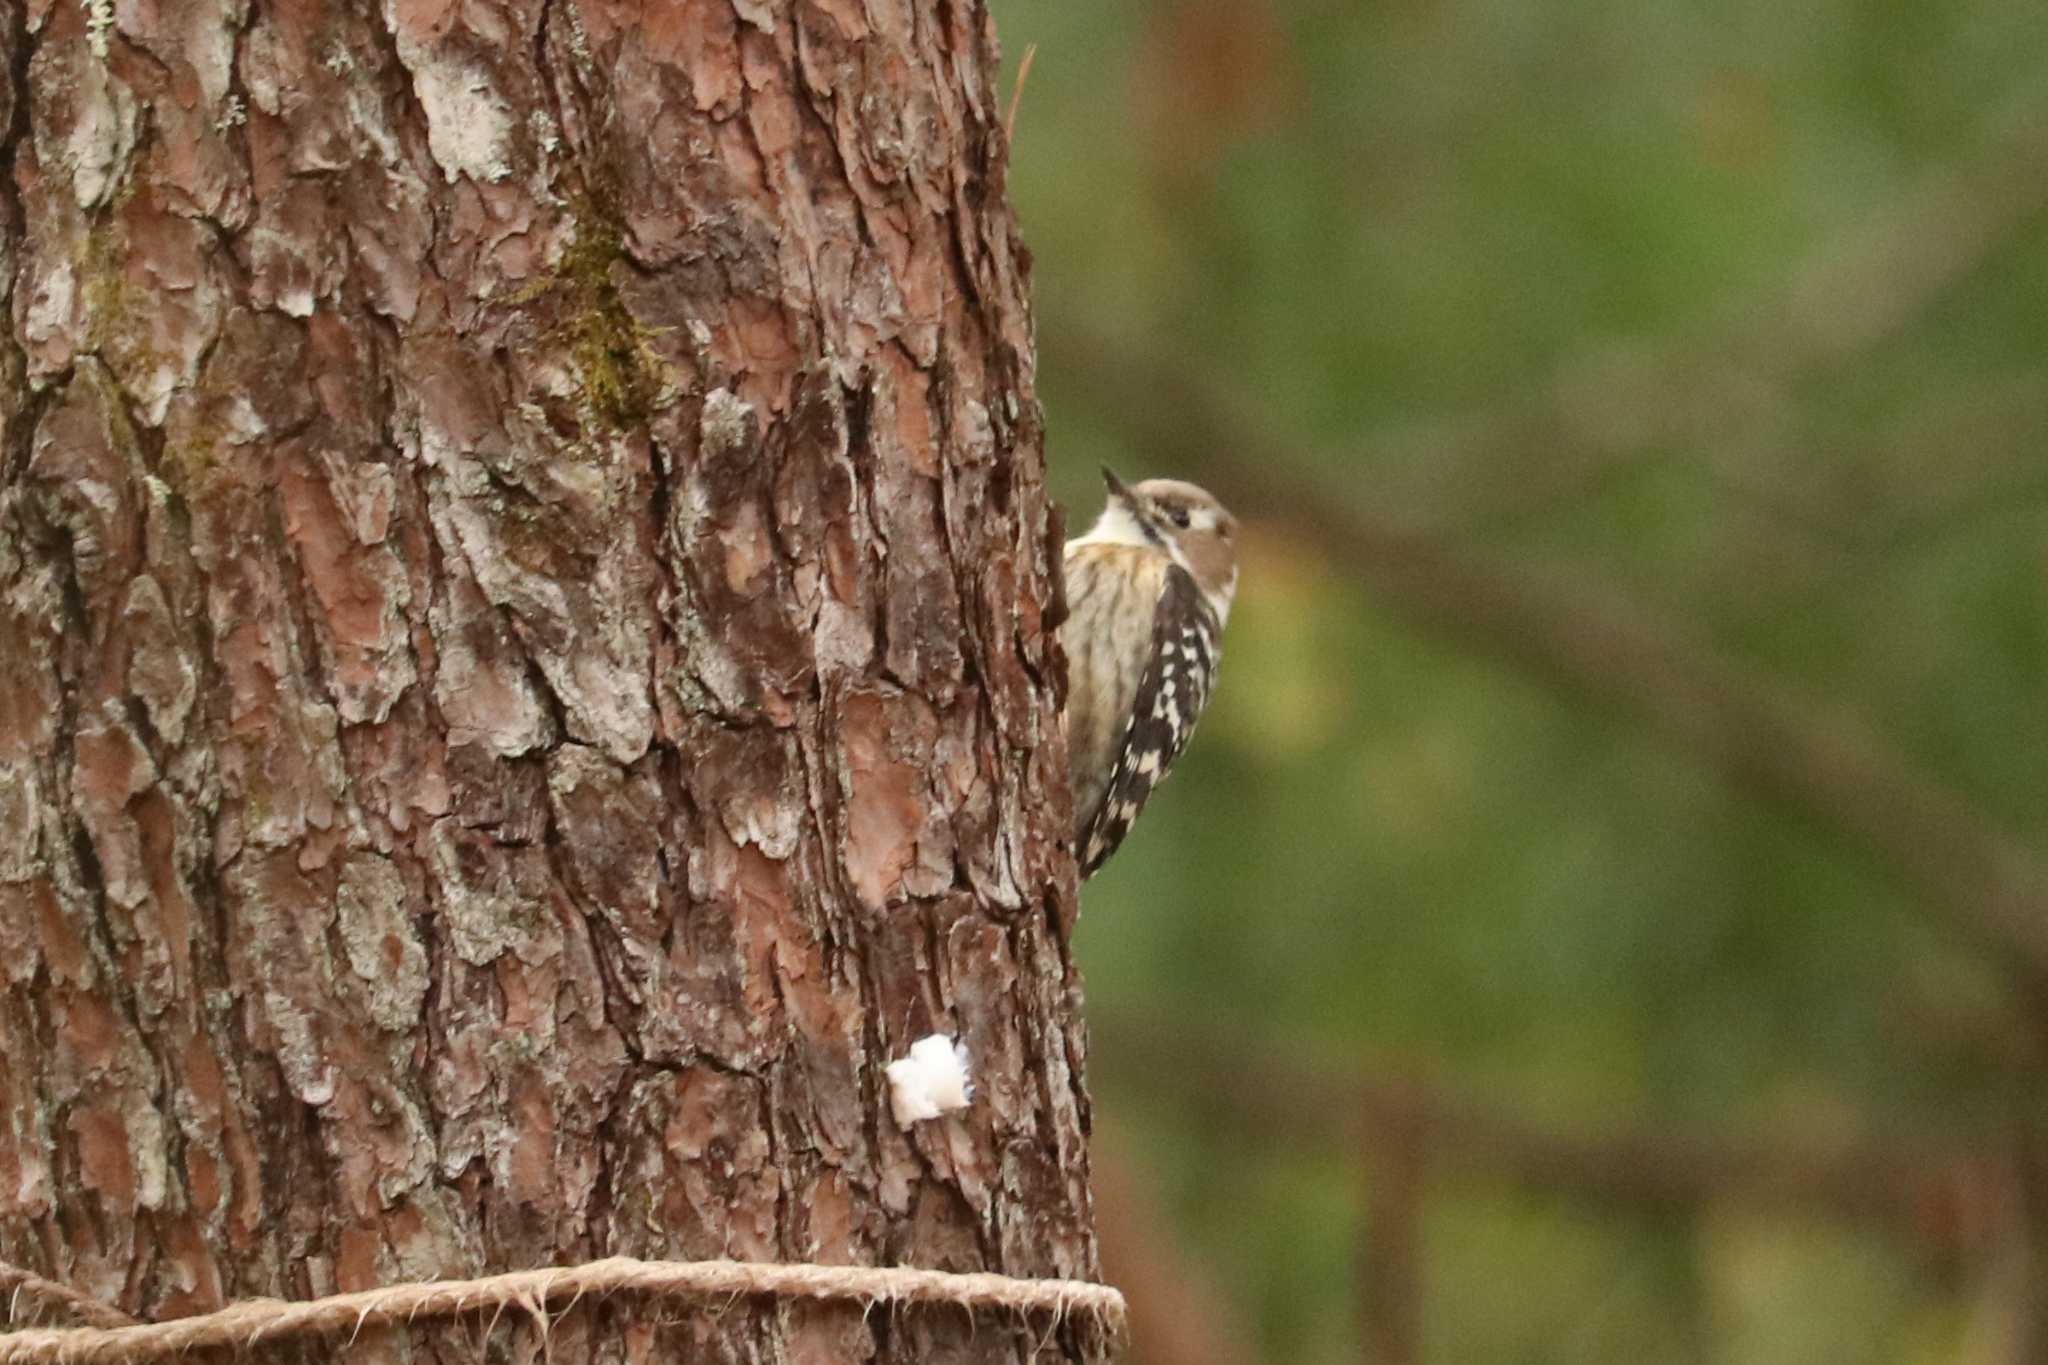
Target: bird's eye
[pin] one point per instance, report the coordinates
(1178, 516)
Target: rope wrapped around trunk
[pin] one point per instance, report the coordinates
(252, 1322)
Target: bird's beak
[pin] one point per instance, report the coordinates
(1116, 486)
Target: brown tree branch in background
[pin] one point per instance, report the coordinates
(1598, 646)
(2007, 1320)
(1940, 1200)
(1177, 1317)
(1390, 1287)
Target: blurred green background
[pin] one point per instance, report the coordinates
(1443, 1007)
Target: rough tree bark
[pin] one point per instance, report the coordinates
(523, 680)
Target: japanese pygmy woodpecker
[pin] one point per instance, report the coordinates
(1148, 590)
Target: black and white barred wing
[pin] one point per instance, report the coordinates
(1186, 648)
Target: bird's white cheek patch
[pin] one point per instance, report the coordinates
(932, 1081)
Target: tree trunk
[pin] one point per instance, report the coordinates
(523, 681)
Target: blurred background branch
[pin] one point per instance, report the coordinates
(1178, 1313)
(1594, 644)
(1940, 1200)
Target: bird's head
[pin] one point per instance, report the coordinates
(1182, 519)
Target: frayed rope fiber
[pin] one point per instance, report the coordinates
(18, 1284)
(255, 1321)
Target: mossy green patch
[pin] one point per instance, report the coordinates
(116, 309)
(192, 450)
(616, 368)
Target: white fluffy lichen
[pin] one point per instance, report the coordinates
(99, 22)
(933, 1080)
